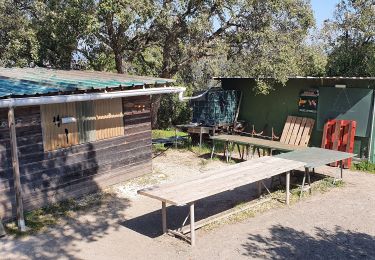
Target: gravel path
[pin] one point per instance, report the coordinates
(338, 224)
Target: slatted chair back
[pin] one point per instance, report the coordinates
(297, 131)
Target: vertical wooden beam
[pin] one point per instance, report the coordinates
(164, 216)
(16, 170)
(287, 187)
(192, 225)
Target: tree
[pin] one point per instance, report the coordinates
(350, 38)
(60, 25)
(183, 32)
(269, 40)
(18, 43)
(123, 28)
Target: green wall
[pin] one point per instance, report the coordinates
(273, 109)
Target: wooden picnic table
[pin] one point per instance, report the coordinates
(252, 141)
(189, 190)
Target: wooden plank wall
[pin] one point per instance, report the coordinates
(71, 172)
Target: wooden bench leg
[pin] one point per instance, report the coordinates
(287, 187)
(192, 225)
(164, 216)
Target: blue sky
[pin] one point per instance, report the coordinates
(323, 9)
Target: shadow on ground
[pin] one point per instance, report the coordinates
(288, 243)
(150, 224)
(59, 242)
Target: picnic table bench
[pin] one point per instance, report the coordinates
(190, 190)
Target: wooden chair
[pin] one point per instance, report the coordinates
(297, 131)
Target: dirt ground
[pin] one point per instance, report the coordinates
(338, 224)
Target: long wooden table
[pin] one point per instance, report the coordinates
(189, 190)
(252, 141)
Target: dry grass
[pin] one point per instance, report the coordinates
(277, 201)
(42, 218)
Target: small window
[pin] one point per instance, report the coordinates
(70, 124)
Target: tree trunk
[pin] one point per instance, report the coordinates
(118, 61)
(156, 99)
(155, 105)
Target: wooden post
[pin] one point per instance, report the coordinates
(16, 170)
(192, 224)
(164, 216)
(287, 187)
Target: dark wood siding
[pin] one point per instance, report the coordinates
(48, 177)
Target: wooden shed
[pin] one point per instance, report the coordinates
(67, 133)
(347, 98)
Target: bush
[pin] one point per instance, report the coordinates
(365, 166)
(173, 112)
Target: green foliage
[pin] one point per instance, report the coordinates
(167, 133)
(269, 40)
(350, 38)
(18, 43)
(59, 26)
(173, 112)
(365, 166)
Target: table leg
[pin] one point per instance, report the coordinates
(231, 148)
(227, 151)
(200, 138)
(247, 152)
(192, 224)
(303, 182)
(213, 149)
(287, 184)
(341, 169)
(164, 216)
(309, 180)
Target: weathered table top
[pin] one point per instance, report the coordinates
(314, 157)
(204, 185)
(262, 143)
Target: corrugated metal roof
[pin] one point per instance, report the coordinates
(40, 81)
(301, 77)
